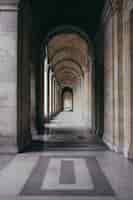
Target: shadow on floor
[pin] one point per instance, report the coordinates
(54, 139)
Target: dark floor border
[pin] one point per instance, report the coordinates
(102, 186)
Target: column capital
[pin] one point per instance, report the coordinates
(9, 4)
(128, 152)
(116, 5)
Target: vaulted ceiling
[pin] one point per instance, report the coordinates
(68, 54)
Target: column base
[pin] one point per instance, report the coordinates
(118, 148)
(113, 147)
(109, 144)
(8, 145)
(128, 153)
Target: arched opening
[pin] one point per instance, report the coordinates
(68, 82)
(67, 100)
(48, 85)
(69, 55)
(63, 57)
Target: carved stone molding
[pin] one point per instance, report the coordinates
(116, 5)
(106, 12)
(127, 4)
(111, 7)
(11, 5)
(9, 2)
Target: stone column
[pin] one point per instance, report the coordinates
(87, 98)
(59, 99)
(127, 83)
(117, 75)
(108, 136)
(120, 57)
(24, 136)
(50, 93)
(116, 80)
(45, 91)
(81, 95)
(8, 72)
(91, 94)
(130, 28)
(79, 99)
(55, 96)
(127, 91)
(76, 99)
(60, 106)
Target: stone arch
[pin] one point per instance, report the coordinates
(70, 91)
(65, 47)
(67, 52)
(65, 68)
(68, 29)
(72, 61)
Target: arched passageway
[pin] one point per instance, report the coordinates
(47, 62)
(67, 99)
(68, 68)
(68, 61)
(66, 79)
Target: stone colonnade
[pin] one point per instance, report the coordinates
(116, 35)
(10, 99)
(52, 93)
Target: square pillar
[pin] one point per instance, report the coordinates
(8, 74)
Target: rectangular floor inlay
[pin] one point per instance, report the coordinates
(85, 177)
(67, 167)
(53, 174)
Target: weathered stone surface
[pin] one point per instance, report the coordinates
(8, 73)
(9, 2)
(108, 84)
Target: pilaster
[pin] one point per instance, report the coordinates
(117, 75)
(8, 73)
(127, 80)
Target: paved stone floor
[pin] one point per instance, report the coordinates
(68, 131)
(91, 173)
(67, 119)
(66, 176)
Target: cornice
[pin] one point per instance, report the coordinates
(107, 11)
(111, 7)
(116, 5)
(11, 5)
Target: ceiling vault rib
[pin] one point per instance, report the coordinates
(71, 60)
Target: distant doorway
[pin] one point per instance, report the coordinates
(67, 99)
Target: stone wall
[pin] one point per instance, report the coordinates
(99, 83)
(127, 77)
(108, 82)
(17, 74)
(26, 77)
(33, 98)
(117, 29)
(8, 71)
